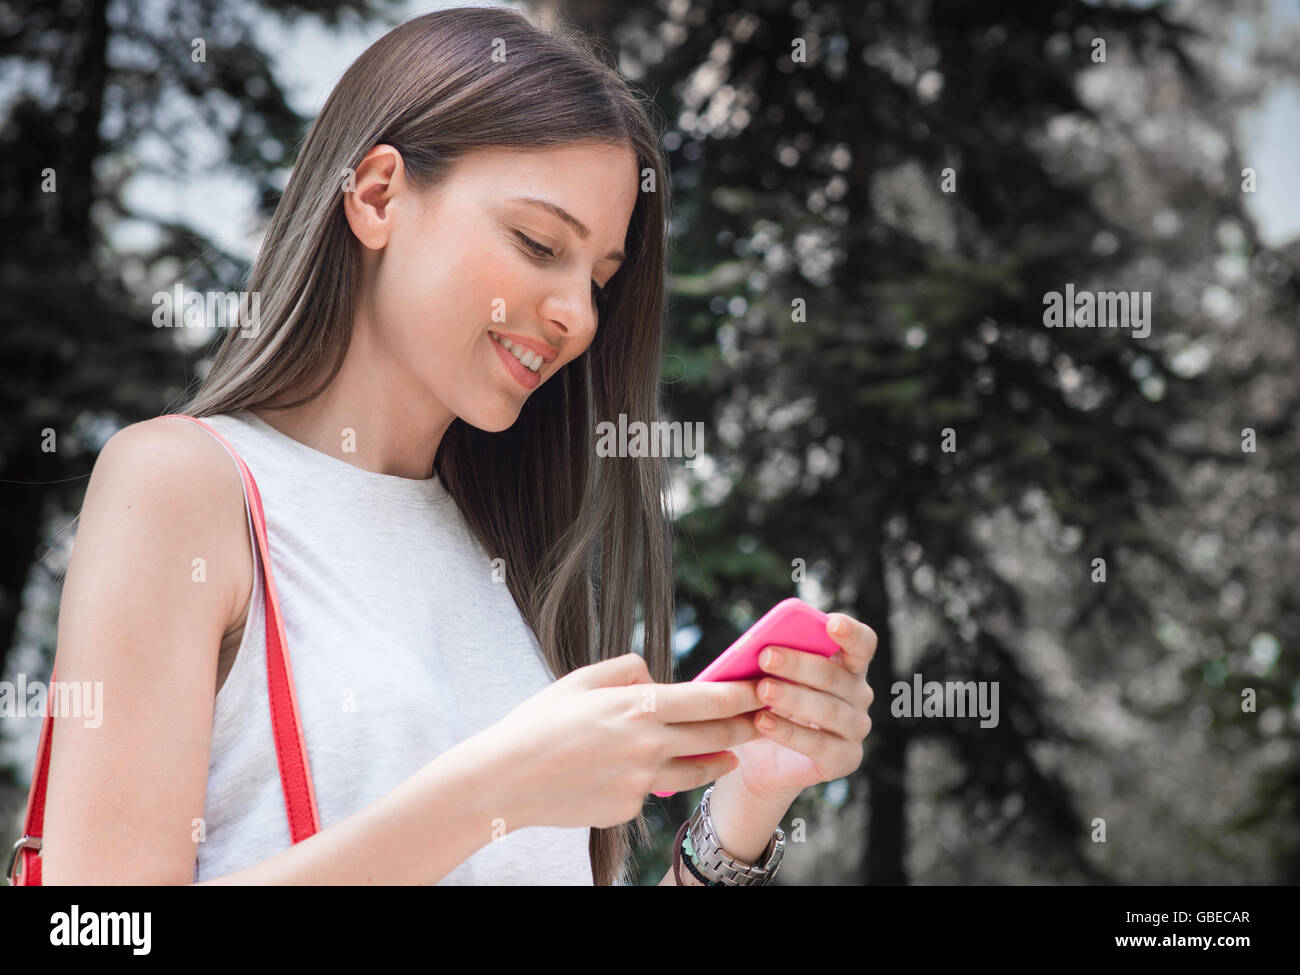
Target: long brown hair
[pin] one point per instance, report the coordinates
(572, 532)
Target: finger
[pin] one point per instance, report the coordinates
(857, 641)
(682, 774)
(826, 711)
(812, 670)
(702, 700)
(833, 756)
(700, 737)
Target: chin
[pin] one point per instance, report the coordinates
(492, 421)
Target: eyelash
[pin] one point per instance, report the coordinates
(600, 295)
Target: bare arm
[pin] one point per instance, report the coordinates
(124, 795)
(417, 834)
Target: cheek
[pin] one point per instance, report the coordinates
(407, 287)
(445, 294)
(422, 304)
(487, 293)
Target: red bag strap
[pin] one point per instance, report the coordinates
(286, 725)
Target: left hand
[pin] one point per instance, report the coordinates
(820, 716)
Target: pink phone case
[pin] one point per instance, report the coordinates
(790, 623)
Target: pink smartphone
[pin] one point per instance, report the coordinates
(790, 623)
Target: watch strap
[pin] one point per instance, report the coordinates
(710, 862)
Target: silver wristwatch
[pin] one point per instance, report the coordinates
(718, 866)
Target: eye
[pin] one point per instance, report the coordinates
(535, 247)
(599, 295)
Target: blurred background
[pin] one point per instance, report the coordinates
(873, 199)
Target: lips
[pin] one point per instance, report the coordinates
(543, 349)
(525, 377)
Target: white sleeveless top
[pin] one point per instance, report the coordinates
(401, 646)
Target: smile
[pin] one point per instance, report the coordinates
(531, 360)
(524, 375)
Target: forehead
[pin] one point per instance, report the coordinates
(596, 184)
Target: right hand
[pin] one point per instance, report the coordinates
(592, 745)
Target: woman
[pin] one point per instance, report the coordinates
(465, 272)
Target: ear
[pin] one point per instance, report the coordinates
(378, 179)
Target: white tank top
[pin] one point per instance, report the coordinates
(401, 646)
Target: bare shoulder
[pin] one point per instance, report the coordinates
(174, 445)
(175, 484)
(157, 560)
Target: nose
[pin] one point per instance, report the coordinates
(573, 312)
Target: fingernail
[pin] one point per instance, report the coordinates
(770, 657)
(770, 690)
(766, 722)
(840, 626)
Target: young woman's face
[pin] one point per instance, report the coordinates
(488, 252)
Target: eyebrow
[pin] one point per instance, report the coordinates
(570, 219)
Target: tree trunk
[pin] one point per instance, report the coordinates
(884, 764)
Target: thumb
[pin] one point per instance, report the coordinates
(626, 668)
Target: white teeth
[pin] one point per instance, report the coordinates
(528, 359)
